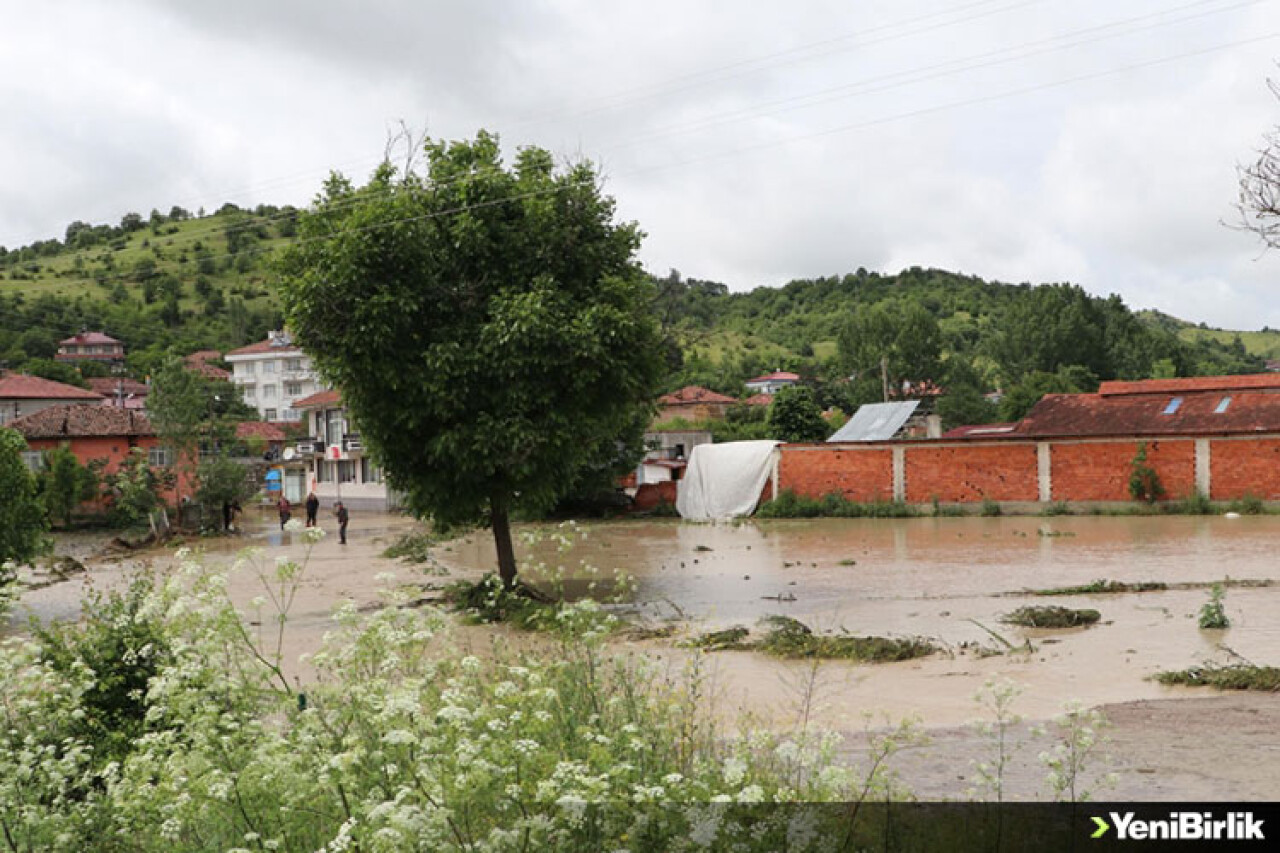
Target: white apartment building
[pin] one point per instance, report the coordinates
(272, 375)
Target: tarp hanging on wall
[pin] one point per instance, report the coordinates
(725, 480)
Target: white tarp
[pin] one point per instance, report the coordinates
(725, 480)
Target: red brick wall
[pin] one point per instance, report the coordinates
(649, 495)
(1245, 467)
(970, 473)
(1099, 471)
(860, 474)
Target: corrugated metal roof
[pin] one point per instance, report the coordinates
(876, 421)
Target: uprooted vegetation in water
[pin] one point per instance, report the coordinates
(1051, 617)
(1234, 677)
(790, 638)
(1102, 586)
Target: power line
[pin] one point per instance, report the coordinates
(939, 70)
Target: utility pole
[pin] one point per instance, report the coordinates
(884, 375)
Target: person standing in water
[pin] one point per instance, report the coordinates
(343, 517)
(313, 507)
(286, 511)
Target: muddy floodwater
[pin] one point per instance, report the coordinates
(947, 579)
(952, 580)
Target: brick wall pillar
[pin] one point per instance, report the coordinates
(899, 473)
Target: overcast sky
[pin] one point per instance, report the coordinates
(1017, 140)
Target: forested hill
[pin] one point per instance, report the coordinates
(178, 282)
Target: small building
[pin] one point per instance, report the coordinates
(772, 383)
(121, 392)
(764, 400)
(272, 375)
(265, 438)
(22, 395)
(693, 403)
(90, 346)
(100, 432)
(886, 421)
(667, 454)
(330, 459)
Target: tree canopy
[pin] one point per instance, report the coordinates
(22, 517)
(488, 327)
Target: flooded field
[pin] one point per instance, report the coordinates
(948, 579)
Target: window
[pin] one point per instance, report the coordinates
(33, 459)
(159, 457)
(322, 472)
(333, 426)
(293, 389)
(268, 367)
(292, 415)
(247, 368)
(346, 471)
(1173, 406)
(250, 393)
(269, 414)
(268, 392)
(293, 364)
(369, 472)
(1222, 405)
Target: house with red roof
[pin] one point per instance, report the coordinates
(331, 460)
(90, 346)
(772, 383)
(97, 432)
(272, 375)
(121, 392)
(24, 395)
(693, 403)
(201, 362)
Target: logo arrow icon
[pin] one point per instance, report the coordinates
(1103, 826)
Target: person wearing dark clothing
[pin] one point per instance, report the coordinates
(343, 517)
(313, 507)
(285, 511)
(229, 511)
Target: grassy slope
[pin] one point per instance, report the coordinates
(177, 256)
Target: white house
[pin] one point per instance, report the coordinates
(772, 383)
(272, 375)
(331, 461)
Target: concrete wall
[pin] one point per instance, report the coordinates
(1025, 471)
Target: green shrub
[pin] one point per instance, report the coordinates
(1212, 613)
(1196, 503)
(831, 505)
(990, 508)
(1247, 505)
(1144, 482)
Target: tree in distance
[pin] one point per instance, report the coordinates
(488, 327)
(794, 415)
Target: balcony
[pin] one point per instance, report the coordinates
(351, 441)
(309, 447)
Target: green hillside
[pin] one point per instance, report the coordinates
(174, 283)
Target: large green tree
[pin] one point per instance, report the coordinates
(22, 517)
(487, 325)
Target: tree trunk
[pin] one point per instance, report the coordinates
(502, 538)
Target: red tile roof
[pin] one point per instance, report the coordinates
(687, 395)
(19, 386)
(759, 400)
(259, 429)
(319, 399)
(980, 430)
(203, 355)
(107, 386)
(88, 338)
(777, 376)
(268, 346)
(71, 421)
(1067, 415)
(1190, 384)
